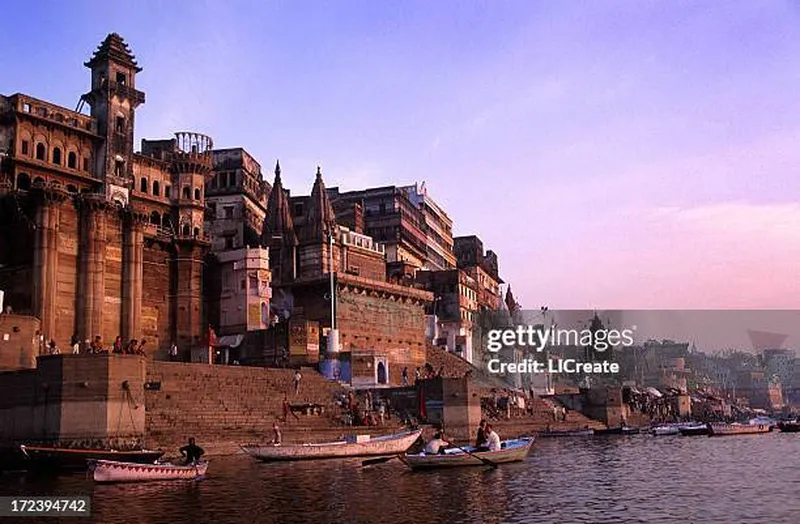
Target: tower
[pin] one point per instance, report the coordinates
(113, 100)
(278, 233)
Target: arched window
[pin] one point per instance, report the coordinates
(382, 377)
(187, 193)
(197, 194)
(167, 191)
(143, 185)
(41, 152)
(57, 155)
(72, 160)
(38, 181)
(196, 232)
(23, 181)
(156, 188)
(155, 218)
(72, 189)
(186, 230)
(165, 221)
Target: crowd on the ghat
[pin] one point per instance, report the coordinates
(97, 347)
(659, 409)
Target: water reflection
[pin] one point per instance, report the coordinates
(594, 480)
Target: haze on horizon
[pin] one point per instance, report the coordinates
(615, 154)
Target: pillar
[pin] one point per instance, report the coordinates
(133, 276)
(188, 296)
(92, 274)
(45, 259)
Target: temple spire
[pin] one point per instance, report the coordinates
(278, 223)
(320, 218)
(114, 49)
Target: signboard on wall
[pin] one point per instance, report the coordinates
(298, 338)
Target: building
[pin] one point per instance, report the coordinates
(438, 229)
(326, 273)
(237, 197)
(85, 220)
(482, 267)
(244, 290)
(452, 313)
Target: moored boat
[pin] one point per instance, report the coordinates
(789, 426)
(115, 471)
(620, 430)
(660, 431)
(357, 446)
(511, 451)
(693, 430)
(720, 429)
(53, 457)
(566, 433)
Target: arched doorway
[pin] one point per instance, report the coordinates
(382, 373)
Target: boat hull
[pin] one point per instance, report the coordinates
(375, 447)
(566, 433)
(721, 430)
(65, 458)
(789, 427)
(514, 451)
(115, 471)
(694, 431)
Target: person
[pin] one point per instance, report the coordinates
(173, 352)
(492, 439)
(405, 376)
(437, 445)
(276, 430)
(75, 344)
(192, 452)
(480, 441)
(287, 409)
(381, 411)
(140, 349)
(417, 375)
(53, 347)
(297, 377)
(117, 347)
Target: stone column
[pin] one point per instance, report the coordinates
(133, 275)
(45, 257)
(92, 286)
(188, 298)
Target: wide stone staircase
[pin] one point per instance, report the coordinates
(224, 406)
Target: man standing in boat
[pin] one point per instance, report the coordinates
(192, 451)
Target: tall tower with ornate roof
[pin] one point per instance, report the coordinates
(278, 233)
(113, 100)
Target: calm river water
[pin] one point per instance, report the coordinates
(586, 480)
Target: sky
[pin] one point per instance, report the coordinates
(615, 154)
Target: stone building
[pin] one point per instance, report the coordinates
(85, 221)
(482, 267)
(381, 325)
(438, 229)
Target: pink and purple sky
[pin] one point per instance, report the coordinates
(615, 154)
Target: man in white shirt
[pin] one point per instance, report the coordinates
(492, 438)
(436, 445)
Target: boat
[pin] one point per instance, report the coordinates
(660, 431)
(355, 446)
(53, 457)
(620, 430)
(566, 433)
(116, 471)
(693, 430)
(720, 429)
(510, 451)
(789, 426)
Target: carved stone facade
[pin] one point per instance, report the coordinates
(95, 239)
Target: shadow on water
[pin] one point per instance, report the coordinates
(593, 480)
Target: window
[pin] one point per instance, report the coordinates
(72, 160)
(85, 163)
(41, 152)
(57, 155)
(120, 124)
(214, 182)
(72, 189)
(186, 193)
(155, 218)
(156, 189)
(25, 147)
(228, 242)
(227, 211)
(143, 185)
(121, 78)
(244, 284)
(223, 179)
(26, 108)
(197, 194)
(167, 191)
(23, 181)
(196, 232)
(186, 230)
(254, 286)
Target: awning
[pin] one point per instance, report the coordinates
(231, 341)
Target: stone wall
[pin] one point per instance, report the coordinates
(19, 344)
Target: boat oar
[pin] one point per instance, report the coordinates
(485, 461)
(381, 460)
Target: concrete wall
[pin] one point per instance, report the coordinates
(19, 344)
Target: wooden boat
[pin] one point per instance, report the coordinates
(621, 430)
(566, 433)
(115, 471)
(693, 430)
(719, 430)
(42, 456)
(511, 451)
(660, 431)
(789, 426)
(356, 446)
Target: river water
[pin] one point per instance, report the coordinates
(752, 478)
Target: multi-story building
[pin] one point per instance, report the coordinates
(482, 267)
(85, 221)
(237, 197)
(438, 229)
(451, 316)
